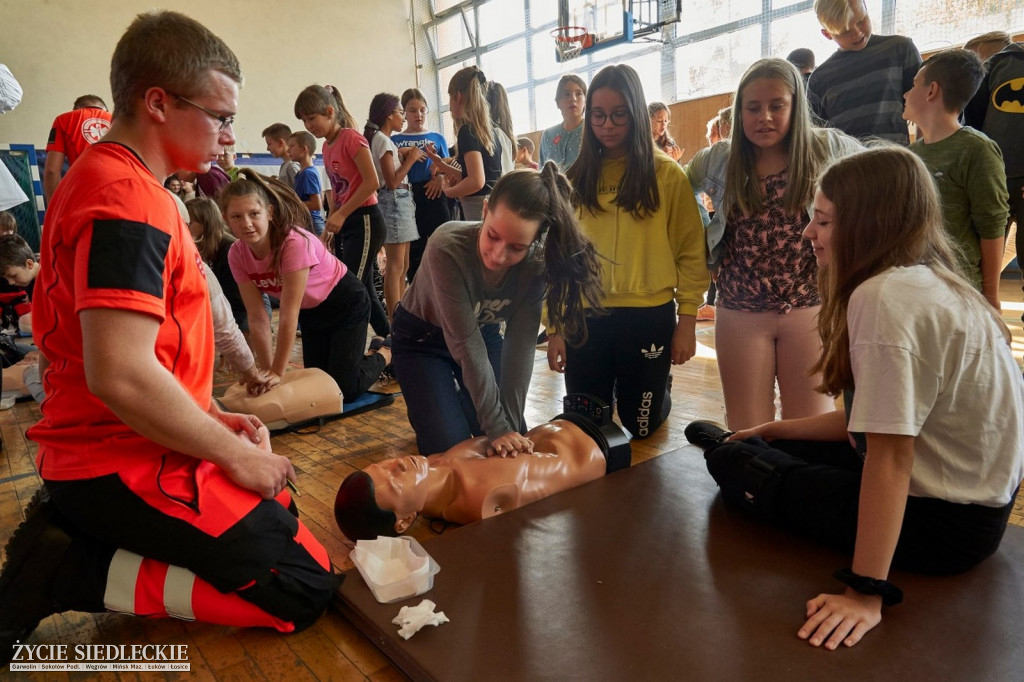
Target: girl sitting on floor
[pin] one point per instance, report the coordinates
(213, 240)
(934, 402)
(278, 254)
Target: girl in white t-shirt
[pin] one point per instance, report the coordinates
(278, 254)
(393, 195)
(934, 402)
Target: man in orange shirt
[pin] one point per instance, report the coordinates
(154, 501)
(72, 133)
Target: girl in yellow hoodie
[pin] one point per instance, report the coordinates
(638, 208)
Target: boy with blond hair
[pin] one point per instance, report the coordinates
(859, 89)
(226, 162)
(966, 165)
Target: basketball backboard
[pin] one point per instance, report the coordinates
(612, 22)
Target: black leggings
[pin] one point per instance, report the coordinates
(813, 489)
(627, 357)
(334, 338)
(357, 246)
(430, 214)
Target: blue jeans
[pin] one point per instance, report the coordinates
(439, 406)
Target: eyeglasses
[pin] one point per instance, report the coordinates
(225, 121)
(401, 112)
(619, 117)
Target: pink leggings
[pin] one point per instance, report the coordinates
(755, 349)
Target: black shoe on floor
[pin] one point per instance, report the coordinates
(33, 556)
(378, 342)
(705, 434)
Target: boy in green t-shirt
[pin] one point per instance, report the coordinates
(967, 166)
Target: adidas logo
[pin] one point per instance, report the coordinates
(654, 352)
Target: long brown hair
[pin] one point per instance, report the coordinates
(665, 140)
(215, 234)
(497, 100)
(572, 266)
(807, 152)
(471, 83)
(887, 214)
(289, 212)
(638, 192)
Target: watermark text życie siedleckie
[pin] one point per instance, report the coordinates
(143, 657)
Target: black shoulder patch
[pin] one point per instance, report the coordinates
(125, 254)
(53, 136)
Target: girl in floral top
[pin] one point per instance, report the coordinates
(761, 183)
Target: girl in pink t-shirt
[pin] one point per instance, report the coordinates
(277, 254)
(354, 214)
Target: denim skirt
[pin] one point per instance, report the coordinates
(399, 215)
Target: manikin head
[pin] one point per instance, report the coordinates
(358, 512)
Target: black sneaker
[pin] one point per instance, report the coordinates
(33, 555)
(387, 377)
(378, 342)
(705, 434)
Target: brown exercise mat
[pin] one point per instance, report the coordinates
(645, 575)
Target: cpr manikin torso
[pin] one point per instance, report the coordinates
(302, 395)
(463, 485)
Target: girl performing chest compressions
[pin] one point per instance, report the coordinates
(934, 401)
(277, 253)
(459, 376)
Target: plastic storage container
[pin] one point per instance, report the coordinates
(394, 568)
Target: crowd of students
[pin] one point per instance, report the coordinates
(813, 243)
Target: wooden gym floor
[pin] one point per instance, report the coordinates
(332, 649)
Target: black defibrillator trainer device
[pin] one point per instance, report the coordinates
(594, 417)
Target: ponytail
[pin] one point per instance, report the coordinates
(471, 83)
(572, 267)
(381, 107)
(288, 212)
(497, 100)
(316, 98)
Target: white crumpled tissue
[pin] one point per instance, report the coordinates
(412, 618)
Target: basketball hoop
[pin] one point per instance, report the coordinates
(570, 41)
